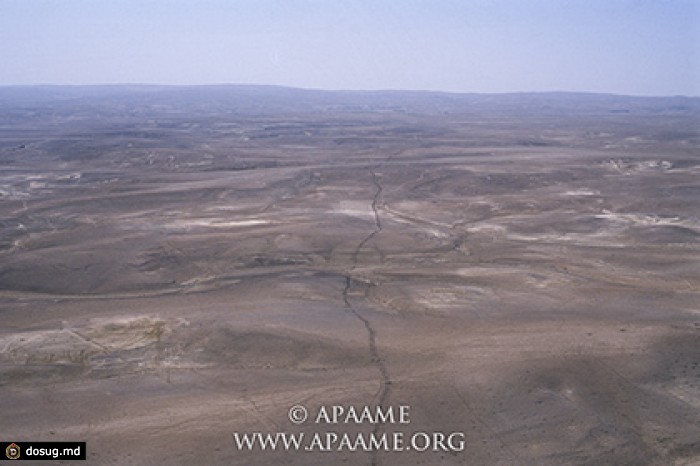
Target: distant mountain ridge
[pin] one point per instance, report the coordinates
(274, 99)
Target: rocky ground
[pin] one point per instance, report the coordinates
(176, 267)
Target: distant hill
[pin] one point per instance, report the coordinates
(254, 99)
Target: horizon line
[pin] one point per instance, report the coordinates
(375, 90)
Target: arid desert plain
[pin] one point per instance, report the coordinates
(179, 266)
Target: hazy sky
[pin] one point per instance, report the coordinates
(643, 47)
